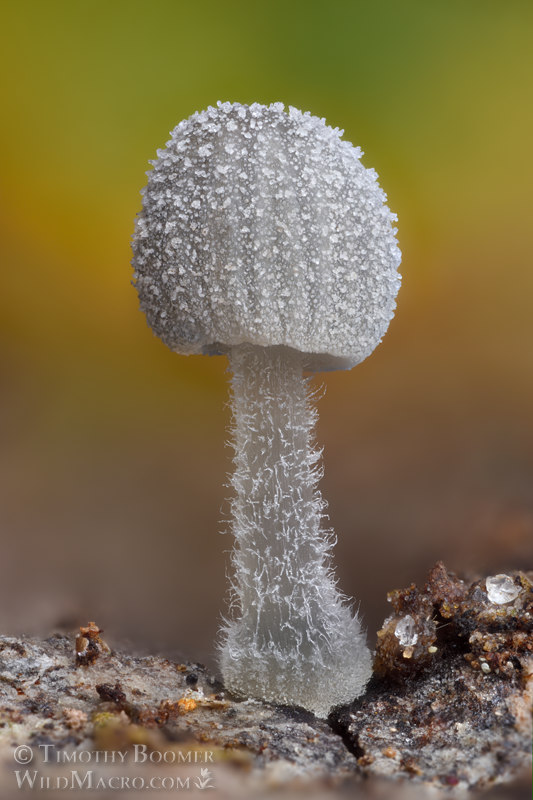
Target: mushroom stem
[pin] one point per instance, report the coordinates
(292, 640)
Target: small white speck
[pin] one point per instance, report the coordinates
(405, 631)
(501, 589)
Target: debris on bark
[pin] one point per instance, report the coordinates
(89, 644)
(449, 708)
(450, 701)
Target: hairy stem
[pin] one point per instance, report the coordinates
(290, 627)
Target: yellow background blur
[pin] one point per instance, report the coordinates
(112, 458)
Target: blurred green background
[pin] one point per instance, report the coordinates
(113, 456)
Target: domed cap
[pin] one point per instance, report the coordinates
(262, 226)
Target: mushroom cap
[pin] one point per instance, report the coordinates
(262, 226)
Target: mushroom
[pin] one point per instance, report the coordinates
(264, 238)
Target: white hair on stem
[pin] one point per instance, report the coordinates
(292, 638)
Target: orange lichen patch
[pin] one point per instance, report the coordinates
(166, 711)
(186, 705)
(169, 710)
(74, 718)
(89, 644)
(390, 752)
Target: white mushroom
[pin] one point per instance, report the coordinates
(263, 237)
